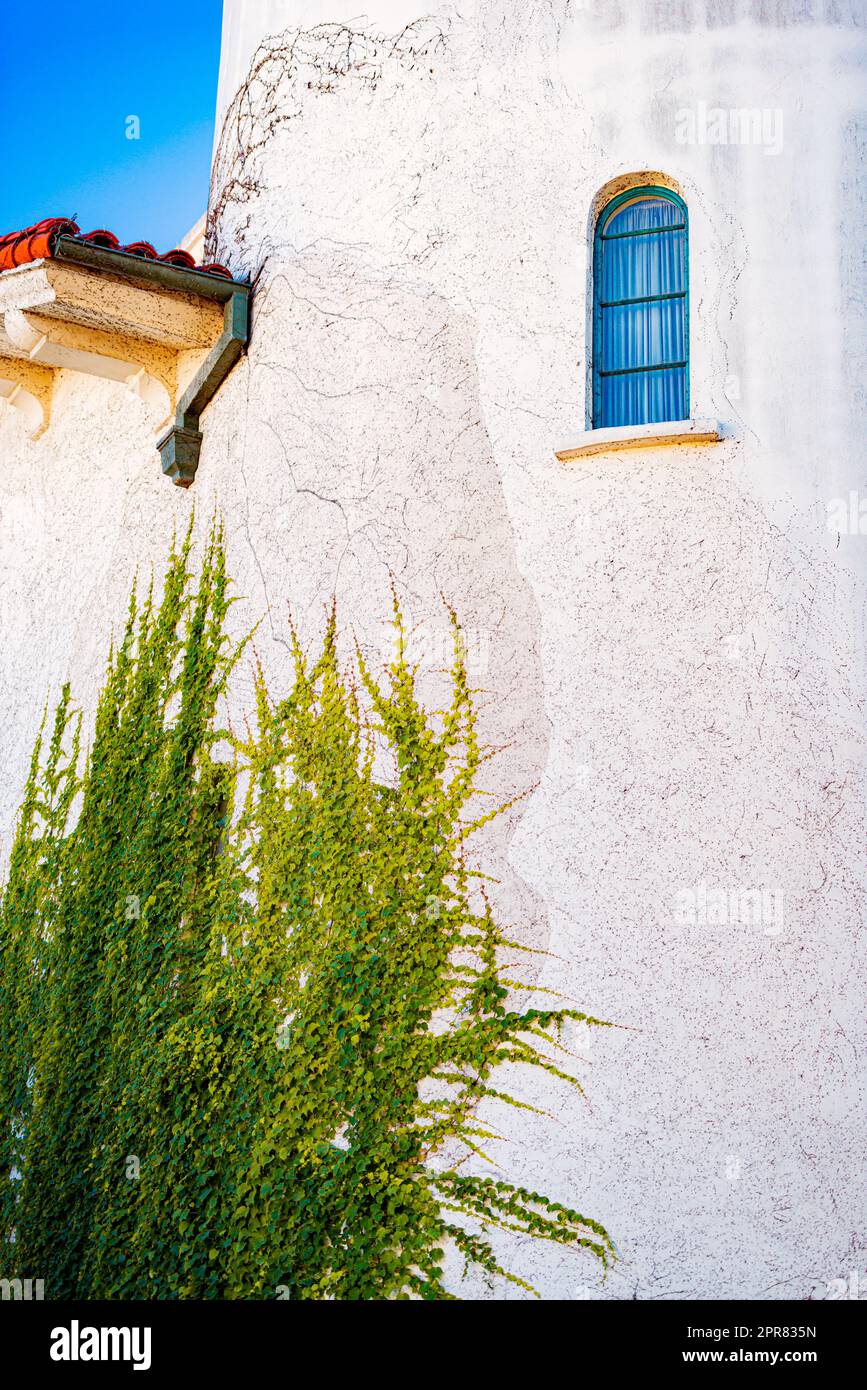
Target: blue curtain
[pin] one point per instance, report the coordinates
(648, 333)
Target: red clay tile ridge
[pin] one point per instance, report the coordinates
(37, 242)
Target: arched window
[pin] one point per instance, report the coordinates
(641, 310)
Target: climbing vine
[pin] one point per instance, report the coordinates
(250, 988)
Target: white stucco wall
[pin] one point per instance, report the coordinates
(670, 640)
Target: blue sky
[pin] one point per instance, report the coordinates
(70, 76)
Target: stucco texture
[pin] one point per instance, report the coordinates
(668, 642)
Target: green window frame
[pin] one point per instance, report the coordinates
(600, 305)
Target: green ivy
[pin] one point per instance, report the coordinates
(251, 991)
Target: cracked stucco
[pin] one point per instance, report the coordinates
(673, 639)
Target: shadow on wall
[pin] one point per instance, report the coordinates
(364, 461)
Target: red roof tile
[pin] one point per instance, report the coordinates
(34, 243)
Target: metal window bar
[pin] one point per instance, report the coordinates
(644, 231)
(641, 299)
(655, 367)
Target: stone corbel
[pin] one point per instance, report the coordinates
(28, 387)
(147, 369)
(171, 334)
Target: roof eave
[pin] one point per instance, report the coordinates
(148, 272)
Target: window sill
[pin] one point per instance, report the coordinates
(640, 437)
